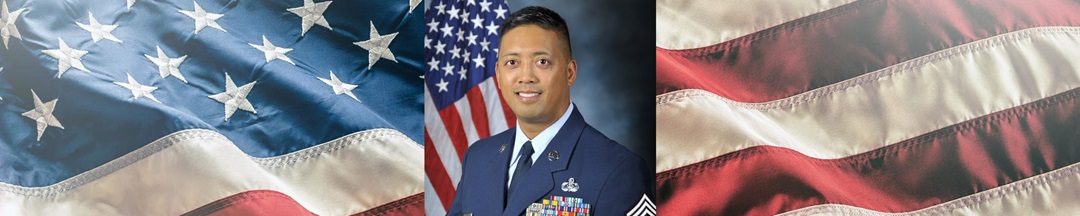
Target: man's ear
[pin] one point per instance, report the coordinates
(571, 72)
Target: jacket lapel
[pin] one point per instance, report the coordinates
(539, 181)
(498, 166)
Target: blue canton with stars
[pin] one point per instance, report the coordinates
(461, 46)
(85, 82)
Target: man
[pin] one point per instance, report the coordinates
(552, 153)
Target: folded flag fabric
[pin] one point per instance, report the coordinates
(868, 107)
(144, 107)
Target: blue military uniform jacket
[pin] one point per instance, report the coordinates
(611, 178)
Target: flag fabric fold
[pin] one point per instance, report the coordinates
(159, 108)
(867, 107)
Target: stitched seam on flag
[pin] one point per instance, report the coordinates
(1020, 111)
(875, 76)
(192, 134)
(112, 166)
(964, 202)
(772, 31)
(328, 147)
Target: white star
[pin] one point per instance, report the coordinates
(99, 31)
(235, 98)
(456, 52)
(460, 35)
(447, 30)
(485, 6)
(378, 46)
(471, 2)
(7, 23)
(167, 66)
(466, 56)
(203, 19)
(484, 43)
(338, 86)
(479, 61)
(138, 90)
(67, 58)
(462, 72)
(272, 52)
(454, 13)
(493, 29)
(449, 69)
(129, 3)
(472, 38)
(413, 4)
(42, 114)
(441, 8)
(311, 14)
(478, 22)
(440, 47)
(427, 42)
(442, 85)
(433, 26)
(500, 12)
(433, 64)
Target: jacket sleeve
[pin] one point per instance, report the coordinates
(624, 188)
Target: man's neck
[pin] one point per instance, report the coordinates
(533, 128)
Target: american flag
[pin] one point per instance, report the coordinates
(868, 107)
(462, 103)
(144, 107)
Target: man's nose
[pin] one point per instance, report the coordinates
(527, 76)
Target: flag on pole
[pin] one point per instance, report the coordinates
(868, 107)
(144, 107)
(462, 102)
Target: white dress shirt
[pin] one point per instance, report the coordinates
(539, 143)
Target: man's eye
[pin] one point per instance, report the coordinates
(543, 61)
(511, 62)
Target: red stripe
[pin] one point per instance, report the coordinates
(411, 205)
(479, 112)
(943, 165)
(511, 119)
(454, 129)
(256, 202)
(845, 42)
(436, 173)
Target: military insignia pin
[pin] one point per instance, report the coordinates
(570, 186)
(553, 155)
(503, 148)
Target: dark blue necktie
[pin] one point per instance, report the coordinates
(522, 167)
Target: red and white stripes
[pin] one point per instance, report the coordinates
(449, 133)
(868, 107)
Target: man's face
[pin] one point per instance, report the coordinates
(535, 73)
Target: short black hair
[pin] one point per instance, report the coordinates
(539, 16)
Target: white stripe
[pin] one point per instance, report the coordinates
(443, 146)
(192, 168)
(432, 204)
(465, 113)
(1052, 193)
(877, 109)
(699, 23)
(496, 118)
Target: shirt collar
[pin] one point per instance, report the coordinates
(541, 141)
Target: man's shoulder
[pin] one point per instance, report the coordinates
(593, 140)
(491, 144)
